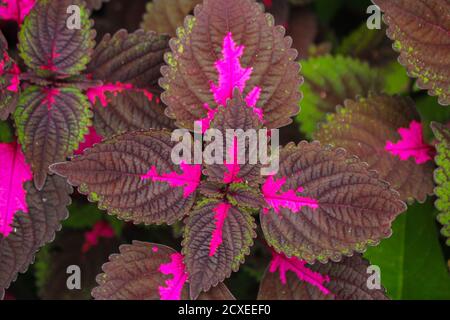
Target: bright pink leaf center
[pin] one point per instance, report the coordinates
(101, 229)
(283, 264)
(15, 10)
(99, 92)
(231, 76)
(221, 214)
(189, 179)
(91, 138)
(14, 171)
(288, 199)
(174, 286)
(233, 167)
(411, 144)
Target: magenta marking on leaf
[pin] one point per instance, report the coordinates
(233, 167)
(221, 214)
(155, 249)
(267, 3)
(189, 179)
(90, 139)
(205, 123)
(50, 66)
(14, 171)
(100, 92)
(284, 264)
(50, 97)
(15, 10)
(174, 286)
(101, 229)
(231, 76)
(411, 144)
(14, 71)
(288, 199)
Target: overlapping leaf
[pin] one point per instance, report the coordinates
(135, 274)
(134, 58)
(128, 111)
(49, 47)
(50, 124)
(442, 177)
(329, 204)
(266, 54)
(46, 210)
(348, 281)
(220, 292)
(420, 32)
(52, 264)
(363, 127)
(329, 81)
(165, 16)
(121, 174)
(217, 238)
(9, 81)
(238, 116)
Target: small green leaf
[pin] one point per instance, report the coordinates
(411, 261)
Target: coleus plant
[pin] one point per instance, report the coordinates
(229, 67)
(322, 205)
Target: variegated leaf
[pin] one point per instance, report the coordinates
(217, 238)
(365, 126)
(348, 281)
(420, 31)
(50, 124)
(132, 176)
(219, 32)
(128, 111)
(324, 204)
(9, 81)
(129, 58)
(49, 47)
(46, 210)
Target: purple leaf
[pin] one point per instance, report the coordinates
(260, 49)
(345, 207)
(111, 173)
(348, 280)
(420, 30)
(49, 47)
(217, 237)
(14, 171)
(129, 58)
(9, 81)
(142, 271)
(50, 124)
(32, 230)
(364, 128)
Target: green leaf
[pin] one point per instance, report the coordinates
(411, 261)
(329, 80)
(442, 177)
(430, 110)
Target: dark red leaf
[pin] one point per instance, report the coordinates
(132, 176)
(217, 238)
(49, 47)
(257, 48)
(46, 210)
(367, 126)
(129, 58)
(50, 124)
(9, 81)
(323, 204)
(348, 281)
